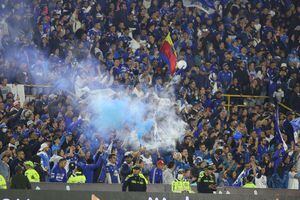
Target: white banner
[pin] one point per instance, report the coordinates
(18, 91)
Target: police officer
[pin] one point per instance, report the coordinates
(181, 184)
(31, 173)
(206, 181)
(2, 182)
(249, 182)
(135, 182)
(77, 176)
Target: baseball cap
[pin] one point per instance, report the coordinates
(136, 167)
(283, 65)
(160, 162)
(11, 145)
(128, 154)
(209, 167)
(29, 163)
(43, 146)
(30, 122)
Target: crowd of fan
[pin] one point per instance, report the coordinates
(241, 48)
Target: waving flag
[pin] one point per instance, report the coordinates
(239, 180)
(168, 53)
(204, 5)
(278, 134)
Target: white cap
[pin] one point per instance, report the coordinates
(283, 65)
(30, 122)
(128, 153)
(43, 146)
(11, 145)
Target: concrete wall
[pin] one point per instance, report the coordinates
(61, 191)
(86, 195)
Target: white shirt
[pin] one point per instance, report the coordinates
(293, 182)
(261, 182)
(168, 176)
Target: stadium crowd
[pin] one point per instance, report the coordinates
(243, 47)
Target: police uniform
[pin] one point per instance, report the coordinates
(179, 186)
(135, 183)
(249, 185)
(78, 177)
(32, 175)
(204, 181)
(2, 182)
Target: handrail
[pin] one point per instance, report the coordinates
(288, 108)
(229, 96)
(244, 96)
(37, 85)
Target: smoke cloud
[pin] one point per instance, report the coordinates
(147, 119)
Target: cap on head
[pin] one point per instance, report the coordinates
(283, 65)
(128, 154)
(160, 162)
(29, 163)
(43, 146)
(136, 167)
(209, 167)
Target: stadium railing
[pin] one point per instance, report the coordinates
(228, 97)
(244, 97)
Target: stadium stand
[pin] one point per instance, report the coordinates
(65, 53)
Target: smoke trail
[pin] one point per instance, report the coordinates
(150, 121)
(147, 120)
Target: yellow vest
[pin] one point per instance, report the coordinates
(32, 175)
(2, 182)
(77, 178)
(142, 176)
(249, 185)
(180, 186)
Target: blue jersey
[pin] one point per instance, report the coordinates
(225, 77)
(88, 169)
(112, 173)
(156, 175)
(58, 174)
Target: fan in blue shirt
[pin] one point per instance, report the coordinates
(58, 173)
(112, 172)
(225, 76)
(156, 174)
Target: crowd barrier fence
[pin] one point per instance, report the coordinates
(30, 89)
(60, 191)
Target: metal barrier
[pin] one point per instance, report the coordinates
(225, 193)
(230, 96)
(227, 96)
(31, 90)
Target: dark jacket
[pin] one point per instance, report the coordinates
(204, 182)
(20, 181)
(124, 171)
(135, 183)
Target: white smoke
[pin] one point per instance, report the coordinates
(148, 120)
